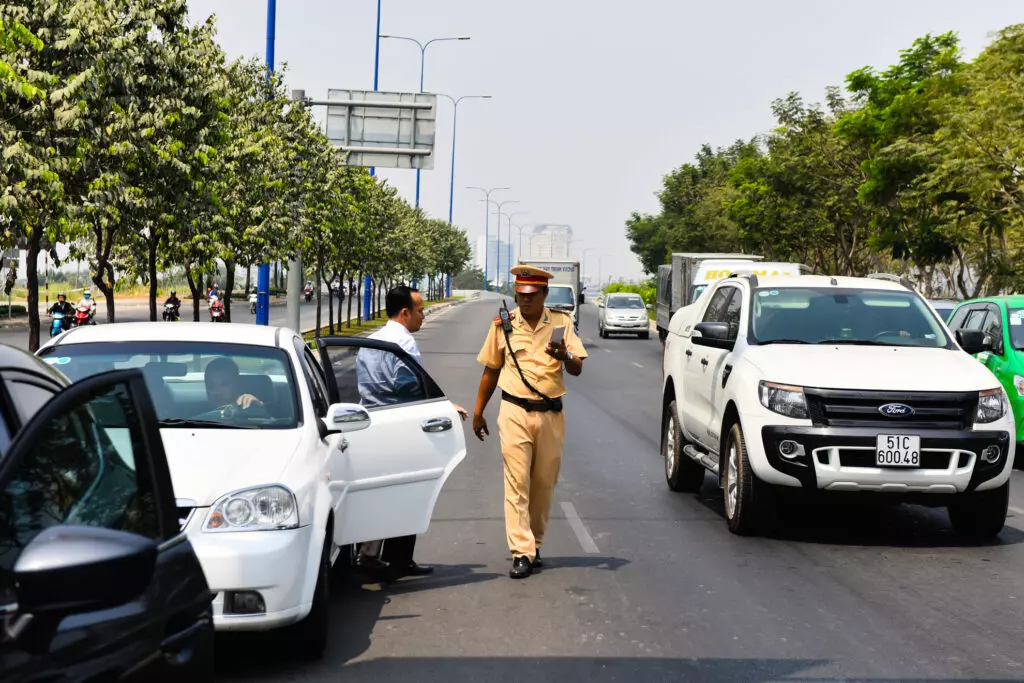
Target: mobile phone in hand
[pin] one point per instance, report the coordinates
(558, 335)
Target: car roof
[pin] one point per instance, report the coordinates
(630, 294)
(11, 357)
(1015, 300)
(232, 333)
(826, 281)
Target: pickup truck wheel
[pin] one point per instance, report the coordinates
(983, 516)
(681, 472)
(310, 634)
(749, 504)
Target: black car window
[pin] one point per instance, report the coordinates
(82, 472)
(732, 313)
(993, 327)
(957, 321)
(976, 318)
(716, 310)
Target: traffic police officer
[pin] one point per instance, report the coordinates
(527, 365)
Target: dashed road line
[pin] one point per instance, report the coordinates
(637, 364)
(582, 535)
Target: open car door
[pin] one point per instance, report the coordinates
(387, 478)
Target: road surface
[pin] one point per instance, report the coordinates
(642, 584)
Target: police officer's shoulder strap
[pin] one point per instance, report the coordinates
(505, 320)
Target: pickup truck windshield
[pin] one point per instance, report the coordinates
(1016, 316)
(805, 315)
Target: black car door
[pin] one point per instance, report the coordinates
(126, 599)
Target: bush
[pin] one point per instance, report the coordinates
(16, 310)
(645, 290)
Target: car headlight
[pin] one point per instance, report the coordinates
(1018, 383)
(783, 399)
(991, 406)
(257, 509)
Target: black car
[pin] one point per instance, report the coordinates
(97, 582)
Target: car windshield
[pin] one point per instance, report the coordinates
(196, 384)
(559, 296)
(805, 315)
(625, 302)
(1016, 317)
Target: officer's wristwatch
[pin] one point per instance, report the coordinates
(568, 356)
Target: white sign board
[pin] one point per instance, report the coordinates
(383, 129)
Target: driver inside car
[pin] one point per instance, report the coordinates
(222, 385)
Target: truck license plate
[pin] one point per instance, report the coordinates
(898, 450)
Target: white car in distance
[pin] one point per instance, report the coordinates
(273, 494)
(828, 386)
(623, 313)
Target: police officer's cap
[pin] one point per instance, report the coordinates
(530, 279)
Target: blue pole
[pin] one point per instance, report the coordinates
(508, 280)
(376, 78)
(451, 189)
(263, 272)
(487, 241)
(423, 58)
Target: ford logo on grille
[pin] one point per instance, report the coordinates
(896, 410)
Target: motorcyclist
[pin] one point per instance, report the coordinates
(63, 306)
(88, 302)
(308, 290)
(173, 300)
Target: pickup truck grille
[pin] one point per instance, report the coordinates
(850, 408)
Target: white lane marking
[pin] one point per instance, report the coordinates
(582, 535)
(637, 364)
(607, 350)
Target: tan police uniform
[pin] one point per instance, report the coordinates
(531, 440)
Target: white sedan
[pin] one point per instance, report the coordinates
(277, 468)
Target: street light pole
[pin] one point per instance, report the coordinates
(508, 280)
(376, 80)
(263, 272)
(455, 122)
(497, 244)
(487, 228)
(423, 58)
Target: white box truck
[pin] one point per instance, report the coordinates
(682, 280)
(564, 289)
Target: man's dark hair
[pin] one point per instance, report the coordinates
(398, 298)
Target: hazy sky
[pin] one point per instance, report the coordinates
(593, 104)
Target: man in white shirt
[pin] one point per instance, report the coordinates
(385, 379)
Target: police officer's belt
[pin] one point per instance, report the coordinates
(554, 405)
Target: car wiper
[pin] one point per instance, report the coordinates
(192, 422)
(782, 341)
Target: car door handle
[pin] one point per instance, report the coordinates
(437, 424)
(343, 446)
(704, 361)
(689, 353)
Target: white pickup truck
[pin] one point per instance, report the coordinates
(822, 385)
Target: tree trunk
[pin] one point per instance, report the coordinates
(330, 300)
(152, 244)
(319, 303)
(32, 282)
(196, 289)
(104, 244)
(351, 295)
(248, 279)
(229, 286)
(359, 304)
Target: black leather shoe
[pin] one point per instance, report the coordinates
(537, 562)
(413, 569)
(370, 563)
(521, 568)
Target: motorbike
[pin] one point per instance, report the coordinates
(217, 312)
(57, 323)
(83, 316)
(309, 294)
(252, 304)
(171, 312)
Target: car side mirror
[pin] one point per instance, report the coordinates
(600, 304)
(649, 307)
(74, 569)
(347, 417)
(971, 341)
(712, 334)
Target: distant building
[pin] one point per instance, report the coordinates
(498, 254)
(549, 241)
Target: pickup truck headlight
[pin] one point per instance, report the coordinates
(783, 399)
(991, 406)
(257, 509)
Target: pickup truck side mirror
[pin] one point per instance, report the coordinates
(712, 334)
(971, 341)
(649, 307)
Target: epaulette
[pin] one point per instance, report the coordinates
(497, 318)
